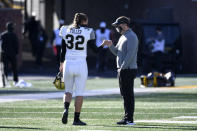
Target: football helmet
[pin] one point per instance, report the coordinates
(58, 83)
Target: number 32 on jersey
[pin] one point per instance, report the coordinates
(74, 42)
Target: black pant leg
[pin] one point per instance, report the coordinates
(102, 59)
(5, 64)
(33, 46)
(14, 68)
(40, 53)
(10, 59)
(126, 82)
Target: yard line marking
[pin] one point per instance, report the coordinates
(137, 121)
(95, 107)
(139, 113)
(166, 121)
(94, 130)
(42, 118)
(186, 117)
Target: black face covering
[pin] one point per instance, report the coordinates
(119, 29)
(102, 30)
(84, 25)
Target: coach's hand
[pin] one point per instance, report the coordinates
(106, 42)
(61, 67)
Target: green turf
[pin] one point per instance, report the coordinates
(101, 112)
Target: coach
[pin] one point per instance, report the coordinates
(126, 52)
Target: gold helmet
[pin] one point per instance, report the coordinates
(58, 82)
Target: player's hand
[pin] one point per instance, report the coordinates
(61, 67)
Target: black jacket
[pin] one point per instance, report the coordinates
(9, 43)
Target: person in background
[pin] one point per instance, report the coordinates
(57, 41)
(42, 40)
(10, 50)
(32, 27)
(158, 49)
(102, 34)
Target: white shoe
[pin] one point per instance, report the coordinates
(130, 124)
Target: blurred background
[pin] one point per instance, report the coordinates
(176, 19)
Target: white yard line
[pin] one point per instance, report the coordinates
(186, 117)
(166, 121)
(136, 121)
(99, 107)
(38, 96)
(94, 130)
(106, 113)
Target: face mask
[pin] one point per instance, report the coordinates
(84, 25)
(119, 29)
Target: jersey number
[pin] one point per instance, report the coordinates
(71, 39)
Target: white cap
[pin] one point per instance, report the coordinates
(33, 13)
(61, 22)
(102, 24)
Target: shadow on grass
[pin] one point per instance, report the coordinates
(144, 126)
(24, 92)
(152, 97)
(21, 128)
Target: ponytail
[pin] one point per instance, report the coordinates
(78, 18)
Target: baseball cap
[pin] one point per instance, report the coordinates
(102, 24)
(121, 20)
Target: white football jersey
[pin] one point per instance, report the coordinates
(76, 41)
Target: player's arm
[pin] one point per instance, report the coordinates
(112, 48)
(92, 44)
(52, 37)
(62, 54)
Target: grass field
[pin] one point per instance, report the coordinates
(153, 111)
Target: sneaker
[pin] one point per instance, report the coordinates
(79, 123)
(65, 117)
(130, 123)
(125, 122)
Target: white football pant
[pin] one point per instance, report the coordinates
(75, 72)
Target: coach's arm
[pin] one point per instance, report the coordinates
(113, 49)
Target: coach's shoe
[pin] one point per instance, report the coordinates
(65, 117)
(125, 122)
(79, 123)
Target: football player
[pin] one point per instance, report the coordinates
(75, 39)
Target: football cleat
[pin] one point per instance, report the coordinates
(65, 117)
(79, 123)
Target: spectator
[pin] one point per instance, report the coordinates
(10, 50)
(158, 49)
(32, 27)
(57, 43)
(102, 34)
(42, 39)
